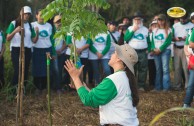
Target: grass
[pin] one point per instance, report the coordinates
(67, 109)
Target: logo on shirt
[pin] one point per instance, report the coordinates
(43, 33)
(138, 36)
(159, 37)
(100, 40)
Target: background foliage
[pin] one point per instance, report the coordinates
(118, 9)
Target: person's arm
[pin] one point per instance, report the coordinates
(53, 44)
(128, 35)
(187, 53)
(166, 43)
(191, 42)
(100, 95)
(3, 46)
(35, 34)
(107, 47)
(11, 31)
(149, 43)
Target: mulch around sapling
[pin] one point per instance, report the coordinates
(67, 110)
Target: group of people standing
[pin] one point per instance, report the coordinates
(141, 50)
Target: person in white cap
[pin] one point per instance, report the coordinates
(117, 94)
(14, 36)
(192, 17)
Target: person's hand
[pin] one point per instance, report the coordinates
(151, 53)
(135, 28)
(58, 52)
(36, 30)
(72, 70)
(53, 57)
(188, 54)
(18, 29)
(99, 55)
(157, 51)
(79, 51)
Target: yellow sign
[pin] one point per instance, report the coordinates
(176, 12)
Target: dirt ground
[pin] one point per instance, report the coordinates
(67, 110)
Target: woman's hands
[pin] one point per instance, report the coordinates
(74, 73)
(72, 70)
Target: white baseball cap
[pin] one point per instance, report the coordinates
(27, 9)
(192, 14)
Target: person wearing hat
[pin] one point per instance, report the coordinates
(180, 32)
(189, 46)
(2, 50)
(44, 44)
(192, 17)
(57, 64)
(117, 94)
(137, 37)
(14, 36)
(160, 46)
(115, 35)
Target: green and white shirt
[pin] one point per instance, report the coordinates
(16, 40)
(181, 30)
(160, 40)
(113, 96)
(137, 39)
(45, 38)
(79, 43)
(116, 35)
(2, 40)
(101, 44)
(190, 38)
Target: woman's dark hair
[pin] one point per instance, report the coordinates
(133, 86)
(18, 21)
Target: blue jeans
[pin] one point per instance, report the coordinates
(162, 70)
(57, 68)
(96, 68)
(190, 89)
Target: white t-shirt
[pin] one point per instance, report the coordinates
(181, 30)
(59, 43)
(160, 37)
(45, 31)
(120, 109)
(79, 44)
(116, 35)
(99, 43)
(16, 40)
(139, 39)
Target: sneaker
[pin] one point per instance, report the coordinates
(186, 106)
